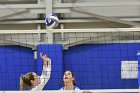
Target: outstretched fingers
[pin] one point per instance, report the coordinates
(41, 55)
(44, 57)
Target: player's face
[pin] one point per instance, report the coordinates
(36, 79)
(68, 77)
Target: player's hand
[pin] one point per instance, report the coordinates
(44, 57)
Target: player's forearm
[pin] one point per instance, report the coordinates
(45, 63)
(47, 69)
(49, 63)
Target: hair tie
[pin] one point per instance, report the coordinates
(23, 77)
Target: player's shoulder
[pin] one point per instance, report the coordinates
(61, 88)
(76, 88)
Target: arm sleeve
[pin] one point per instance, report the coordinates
(45, 76)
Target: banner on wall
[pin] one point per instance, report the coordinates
(129, 70)
(138, 54)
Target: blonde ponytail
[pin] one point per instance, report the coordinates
(22, 84)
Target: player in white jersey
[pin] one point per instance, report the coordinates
(69, 81)
(35, 82)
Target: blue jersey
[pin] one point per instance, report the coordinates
(74, 88)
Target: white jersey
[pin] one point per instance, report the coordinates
(45, 76)
(74, 88)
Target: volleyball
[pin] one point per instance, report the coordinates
(51, 21)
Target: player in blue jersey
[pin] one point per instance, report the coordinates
(34, 82)
(69, 81)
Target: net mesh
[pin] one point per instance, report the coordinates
(99, 58)
(79, 91)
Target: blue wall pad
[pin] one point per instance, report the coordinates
(96, 66)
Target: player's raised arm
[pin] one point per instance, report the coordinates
(46, 72)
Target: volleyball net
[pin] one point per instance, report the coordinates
(103, 60)
(79, 91)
